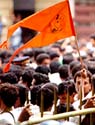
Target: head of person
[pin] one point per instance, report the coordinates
(48, 98)
(36, 52)
(8, 95)
(43, 69)
(67, 58)
(22, 95)
(27, 77)
(91, 66)
(78, 67)
(83, 77)
(54, 56)
(72, 64)
(56, 48)
(9, 77)
(39, 78)
(34, 92)
(54, 66)
(63, 71)
(64, 88)
(43, 59)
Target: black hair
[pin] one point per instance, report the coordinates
(40, 58)
(43, 69)
(61, 108)
(9, 77)
(48, 98)
(79, 74)
(64, 71)
(34, 92)
(67, 58)
(40, 78)
(22, 93)
(9, 94)
(54, 66)
(27, 76)
(66, 86)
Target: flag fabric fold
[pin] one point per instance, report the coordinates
(53, 23)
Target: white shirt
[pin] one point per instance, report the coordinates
(7, 117)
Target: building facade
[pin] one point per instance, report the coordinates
(85, 18)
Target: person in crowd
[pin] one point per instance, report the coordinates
(17, 70)
(66, 94)
(64, 88)
(78, 67)
(36, 52)
(21, 60)
(39, 78)
(22, 97)
(27, 77)
(48, 98)
(54, 88)
(8, 96)
(67, 58)
(43, 69)
(33, 92)
(83, 78)
(54, 56)
(71, 65)
(5, 55)
(90, 103)
(64, 72)
(91, 65)
(57, 48)
(9, 77)
(54, 74)
(43, 59)
(54, 66)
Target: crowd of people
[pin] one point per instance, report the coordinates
(36, 75)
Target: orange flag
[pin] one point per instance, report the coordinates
(54, 23)
(38, 21)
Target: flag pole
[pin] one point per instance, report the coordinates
(78, 51)
(81, 90)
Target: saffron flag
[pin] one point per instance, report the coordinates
(53, 23)
(40, 20)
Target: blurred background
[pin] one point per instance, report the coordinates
(12, 11)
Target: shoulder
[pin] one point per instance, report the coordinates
(7, 117)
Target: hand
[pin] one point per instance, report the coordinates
(25, 114)
(90, 103)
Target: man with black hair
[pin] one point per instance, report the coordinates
(43, 59)
(43, 69)
(27, 77)
(9, 77)
(63, 72)
(39, 78)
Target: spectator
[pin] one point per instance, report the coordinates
(8, 97)
(39, 78)
(9, 77)
(43, 69)
(27, 77)
(64, 72)
(43, 59)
